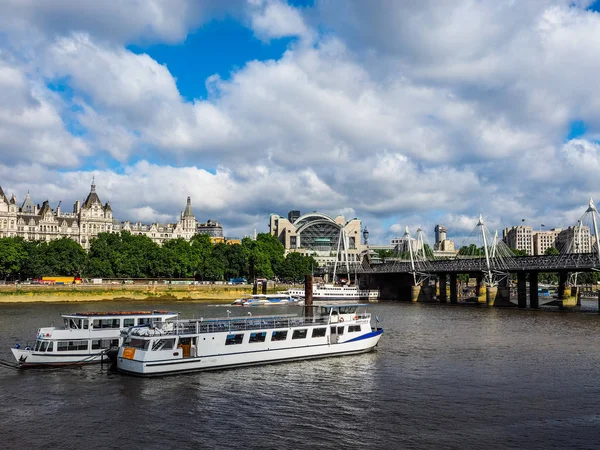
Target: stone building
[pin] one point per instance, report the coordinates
(543, 240)
(519, 238)
(318, 234)
(576, 239)
(42, 223)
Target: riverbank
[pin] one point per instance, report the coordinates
(81, 293)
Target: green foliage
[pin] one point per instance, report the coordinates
(551, 251)
(127, 255)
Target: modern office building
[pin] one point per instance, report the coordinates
(543, 240)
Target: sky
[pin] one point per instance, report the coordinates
(398, 112)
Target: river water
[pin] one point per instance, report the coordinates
(443, 376)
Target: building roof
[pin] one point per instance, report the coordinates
(27, 207)
(2, 196)
(188, 208)
(45, 208)
(107, 207)
(91, 198)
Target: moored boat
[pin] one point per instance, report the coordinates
(220, 343)
(85, 338)
(335, 292)
(268, 299)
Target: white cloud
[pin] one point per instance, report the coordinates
(273, 19)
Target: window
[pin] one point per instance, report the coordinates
(258, 337)
(340, 330)
(64, 346)
(353, 328)
(163, 344)
(99, 344)
(107, 323)
(233, 339)
(50, 346)
(279, 336)
(141, 344)
(299, 334)
(128, 322)
(319, 332)
(333, 330)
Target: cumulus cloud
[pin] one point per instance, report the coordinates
(272, 19)
(418, 111)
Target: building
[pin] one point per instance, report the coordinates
(42, 223)
(160, 232)
(88, 219)
(443, 247)
(519, 238)
(576, 239)
(318, 235)
(543, 240)
(213, 229)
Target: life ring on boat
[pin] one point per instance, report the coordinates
(341, 319)
(355, 317)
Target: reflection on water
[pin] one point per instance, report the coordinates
(442, 377)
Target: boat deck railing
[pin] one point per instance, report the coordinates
(199, 326)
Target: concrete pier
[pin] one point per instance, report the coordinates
(453, 290)
(522, 289)
(443, 297)
(534, 300)
(562, 284)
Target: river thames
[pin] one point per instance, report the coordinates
(443, 376)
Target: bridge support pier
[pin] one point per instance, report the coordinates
(571, 297)
(534, 300)
(562, 284)
(423, 294)
(443, 297)
(480, 289)
(453, 290)
(522, 289)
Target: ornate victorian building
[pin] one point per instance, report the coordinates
(42, 223)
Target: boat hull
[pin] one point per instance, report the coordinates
(362, 344)
(29, 358)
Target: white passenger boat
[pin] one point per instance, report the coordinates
(200, 344)
(85, 337)
(333, 292)
(268, 299)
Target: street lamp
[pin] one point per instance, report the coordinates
(366, 235)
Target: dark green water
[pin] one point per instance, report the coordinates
(442, 377)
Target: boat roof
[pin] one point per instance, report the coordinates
(119, 313)
(335, 305)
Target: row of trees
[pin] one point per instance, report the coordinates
(126, 255)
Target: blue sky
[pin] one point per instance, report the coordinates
(400, 113)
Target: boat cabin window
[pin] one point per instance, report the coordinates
(43, 346)
(76, 324)
(353, 328)
(163, 344)
(149, 320)
(340, 330)
(141, 344)
(279, 336)
(299, 334)
(319, 332)
(107, 323)
(233, 339)
(128, 322)
(64, 346)
(258, 337)
(99, 344)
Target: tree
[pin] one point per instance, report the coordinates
(64, 257)
(551, 251)
(13, 257)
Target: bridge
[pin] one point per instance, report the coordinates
(417, 274)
